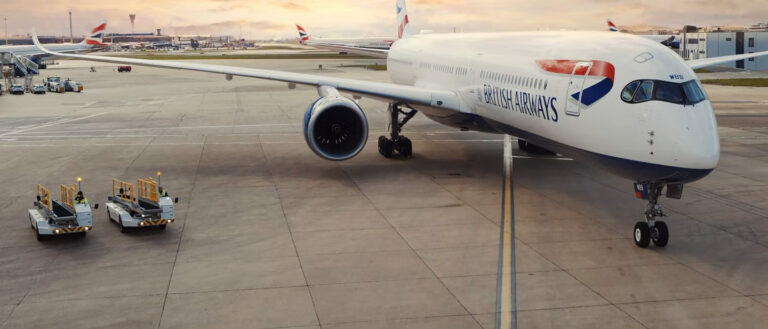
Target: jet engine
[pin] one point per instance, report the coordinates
(335, 128)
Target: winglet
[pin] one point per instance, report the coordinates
(38, 45)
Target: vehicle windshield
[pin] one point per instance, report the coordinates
(53, 79)
(685, 93)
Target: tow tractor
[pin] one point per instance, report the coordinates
(70, 85)
(149, 208)
(70, 215)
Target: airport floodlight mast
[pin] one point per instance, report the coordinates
(5, 19)
(71, 36)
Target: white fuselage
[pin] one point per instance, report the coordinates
(521, 84)
(370, 42)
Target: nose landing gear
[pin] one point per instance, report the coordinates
(652, 229)
(397, 143)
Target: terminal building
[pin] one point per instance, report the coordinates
(698, 45)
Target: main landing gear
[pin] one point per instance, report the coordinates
(652, 229)
(397, 143)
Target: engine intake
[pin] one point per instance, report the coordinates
(335, 128)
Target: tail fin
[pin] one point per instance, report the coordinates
(403, 25)
(97, 35)
(612, 27)
(303, 35)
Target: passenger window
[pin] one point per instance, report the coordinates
(645, 92)
(629, 91)
(669, 92)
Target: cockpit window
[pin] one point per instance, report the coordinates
(644, 93)
(686, 93)
(629, 91)
(669, 92)
(693, 92)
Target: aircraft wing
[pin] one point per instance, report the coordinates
(704, 62)
(437, 99)
(367, 51)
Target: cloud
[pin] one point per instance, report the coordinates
(351, 18)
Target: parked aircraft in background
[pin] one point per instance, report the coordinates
(92, 42)
(619, 102)
(664, 39)
(376, 47)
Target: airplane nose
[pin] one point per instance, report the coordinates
(700, 148)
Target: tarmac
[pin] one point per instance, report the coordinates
(268, 235)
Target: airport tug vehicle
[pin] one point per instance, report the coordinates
(70, 215)
(143, 207)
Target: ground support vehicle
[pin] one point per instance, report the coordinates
(70, 85)
(146, 208)
(60, 217)
(54, 84)
(38, 89)
(17, 89)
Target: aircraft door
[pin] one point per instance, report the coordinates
(575, 87)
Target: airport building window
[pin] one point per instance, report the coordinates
(751, 42)
(751, 59)
(728, 39)
(693, 41)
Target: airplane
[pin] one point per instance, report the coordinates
(664, 39)
(615, 101)
(90, 43)
(376, 47)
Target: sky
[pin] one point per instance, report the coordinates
(272, 19)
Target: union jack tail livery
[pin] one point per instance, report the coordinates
(97, 35)
(403, 27)
(612, 27)
(303, 35)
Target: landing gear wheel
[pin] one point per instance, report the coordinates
(396, 142)
(405, 147)
(642, 234)
(386, 147)
(661, 238)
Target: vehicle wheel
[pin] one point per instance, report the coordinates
(162, 226)
(39, 236)
(123, 229)
(642, 234)
(662, 236)
(406, 147)
(82, 235)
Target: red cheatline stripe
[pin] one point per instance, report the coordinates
(99, 28)
(565, 66)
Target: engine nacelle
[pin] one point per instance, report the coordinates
(335, 128)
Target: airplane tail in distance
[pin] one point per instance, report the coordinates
(303, 35)
(612, 27)
(403, 25)
(97, 35)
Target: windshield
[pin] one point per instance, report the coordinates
(685, 93)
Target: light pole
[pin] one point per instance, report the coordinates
(5, 19)
(71, 37)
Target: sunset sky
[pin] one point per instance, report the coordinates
(266, 19)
